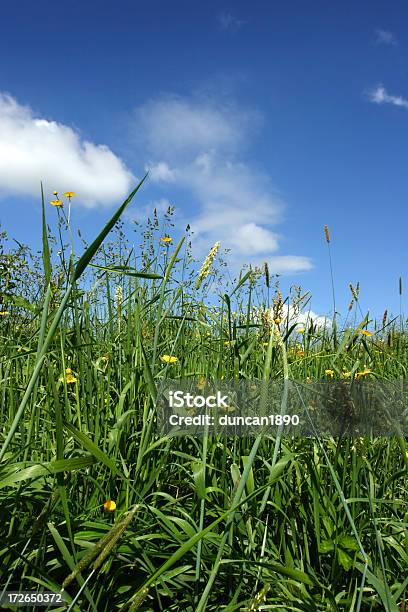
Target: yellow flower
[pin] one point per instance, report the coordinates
(70, 194)
(329, 373)
(55, 193)
(300, 353)
(4, 313)
(363, 373)
(168, 358)
(346, 374)
(68, 376)
(406, 454)
(166, 239)
(365, 332)
(57, 202)
(110, 505)
(301, 330)
(201, 383)
(277, 320)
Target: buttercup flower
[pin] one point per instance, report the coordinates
(110, 505)
(69, 378)
(329, 373)
(70, 194)
(166, 239)
(201, 383)
(57, 202)
(365, 372)
(169, 358)
(365, 332)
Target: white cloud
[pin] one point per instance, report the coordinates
(140, 213)
(178, 128)
(379, 95)
(227, 21)
(291, 315)
(304, 318)
(195, 145)
(285, 264)
(385, 37)
(251, 239)
(34, 149)
(160, 172)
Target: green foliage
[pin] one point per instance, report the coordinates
(200, 524)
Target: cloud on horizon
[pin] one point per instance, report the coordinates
(195, 145)
(379, 95)
(33, 149)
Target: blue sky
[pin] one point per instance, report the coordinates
(260, 122)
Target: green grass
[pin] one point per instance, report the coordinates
(200, 523)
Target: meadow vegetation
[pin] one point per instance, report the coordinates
(94, 501)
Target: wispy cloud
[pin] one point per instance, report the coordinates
(379, 95)
(141, 213)
(33, 148)
(385, 37)
(196, 145)
(226, 21)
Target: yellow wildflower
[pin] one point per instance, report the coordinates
(365, 372)
(365, 332)
(4, 313)
(201, 383)
(55, 193)
(70, 194)
(166, 239)
(168, 358)
(301, 330)
(110, 505)
(300, 353)
(277, 321)
(57, 202)
(69, 378)
(346, 374)
(329, 373)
